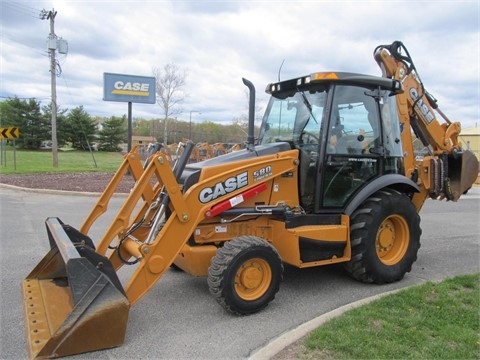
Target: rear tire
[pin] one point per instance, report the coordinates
(245, 275)
(385, 238)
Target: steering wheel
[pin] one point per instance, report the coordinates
(307, 138)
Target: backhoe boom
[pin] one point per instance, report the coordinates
(448, 170)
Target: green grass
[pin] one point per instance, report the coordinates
(29, 162)
(429, 321)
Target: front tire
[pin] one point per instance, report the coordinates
(385, 238)
(245, 275)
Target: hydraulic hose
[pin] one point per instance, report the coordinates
(177, 171)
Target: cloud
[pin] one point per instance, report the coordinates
(219, 42)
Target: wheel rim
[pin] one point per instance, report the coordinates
(392, 240)
(253, 279)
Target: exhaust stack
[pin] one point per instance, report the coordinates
(251, 115)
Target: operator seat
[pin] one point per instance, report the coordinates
(306, 178)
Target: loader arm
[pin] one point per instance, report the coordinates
(132, 164)
(448, 171)
(155, 257)
(74, 296)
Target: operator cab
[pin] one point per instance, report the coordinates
(346, 129)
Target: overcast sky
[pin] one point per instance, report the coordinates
(219, 42)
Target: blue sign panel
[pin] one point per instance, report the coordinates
(128, 88)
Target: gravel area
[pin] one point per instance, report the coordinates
(81, 181)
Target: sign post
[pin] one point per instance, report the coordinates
(130, 89)
(10, 133)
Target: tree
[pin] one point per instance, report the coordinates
(169, 83)
(61, 123)
(142, 127)
(212, 132)
(80, 128)
(113, 133)
(26, 116)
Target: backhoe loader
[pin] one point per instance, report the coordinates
(332, 178)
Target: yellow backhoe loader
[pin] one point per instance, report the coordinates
(332, 178)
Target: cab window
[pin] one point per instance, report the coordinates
(354, 140)
(290, 119)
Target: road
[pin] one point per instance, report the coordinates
(179, 319)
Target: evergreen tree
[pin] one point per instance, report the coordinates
(26, 116)
(113, 133)
(80, 128)
(61, 123)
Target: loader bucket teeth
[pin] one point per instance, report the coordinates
(73, 300)
(463, 173)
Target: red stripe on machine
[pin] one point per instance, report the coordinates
(228, 204)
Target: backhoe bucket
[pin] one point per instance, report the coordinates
(73, 300)
(463, 173)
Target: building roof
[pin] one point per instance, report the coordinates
(471, 131)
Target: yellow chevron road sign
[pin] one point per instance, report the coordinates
(9, 133)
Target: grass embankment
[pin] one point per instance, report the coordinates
(29, 162)
(430, 321)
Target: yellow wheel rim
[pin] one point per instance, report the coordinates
(392, 240)
(253, 279)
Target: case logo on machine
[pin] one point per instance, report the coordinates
(421, 105)
(223, 187)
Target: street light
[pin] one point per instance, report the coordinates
(190, 126)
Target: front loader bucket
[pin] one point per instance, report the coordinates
(463, 173)
(73, 300)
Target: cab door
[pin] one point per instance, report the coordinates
(354, 145)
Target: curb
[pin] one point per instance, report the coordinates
(281, 342)
(58, 192)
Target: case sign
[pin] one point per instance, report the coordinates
(128, 88)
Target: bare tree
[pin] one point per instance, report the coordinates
(169, 83)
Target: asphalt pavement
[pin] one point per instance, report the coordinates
(179, 319)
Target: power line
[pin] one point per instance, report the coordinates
(38, 51)
(23, 98)
(22, 8)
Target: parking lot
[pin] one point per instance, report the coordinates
(179, 319)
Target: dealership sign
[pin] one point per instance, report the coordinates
(128, 88)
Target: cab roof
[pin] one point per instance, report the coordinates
(312, 82)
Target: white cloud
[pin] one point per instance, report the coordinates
(219, 42)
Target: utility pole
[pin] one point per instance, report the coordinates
(52, 46)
